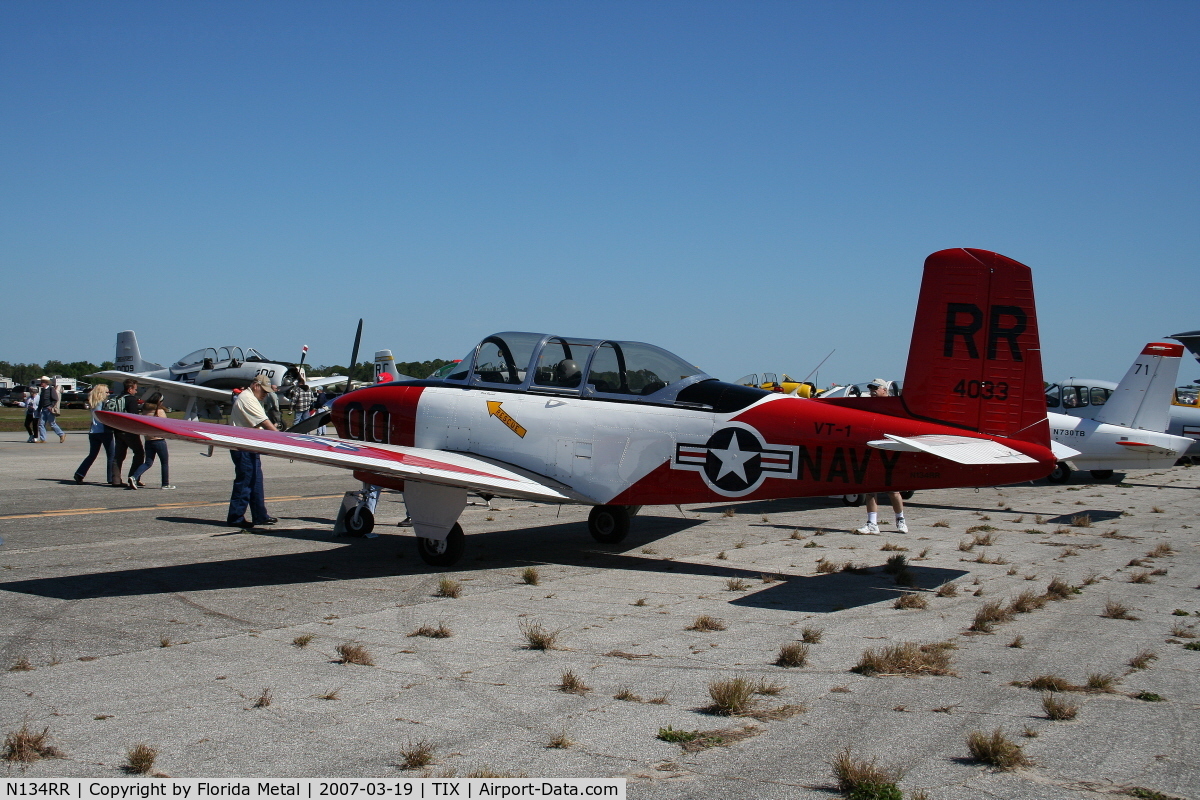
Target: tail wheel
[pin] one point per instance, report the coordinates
(907, 495)
(1102, 474)
(608, 524)
(1061, 473)
(853, 499)
(360, 524)
(443, 553)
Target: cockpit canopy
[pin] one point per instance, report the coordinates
(540, 362)
(209, 357)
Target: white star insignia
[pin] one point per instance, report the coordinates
(733, 459)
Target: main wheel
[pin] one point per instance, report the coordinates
(907, 495)
(608, 524)
(444, 553)
(1102, 474)
(853, 499)
(1061, 473)
(360, 524)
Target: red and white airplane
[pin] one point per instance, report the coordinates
(618, 425)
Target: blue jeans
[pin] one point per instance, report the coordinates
(154, 448)
(95, 442)
(47, 419)
(247, 489)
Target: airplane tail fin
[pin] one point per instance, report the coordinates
(129, 357)
(975, 361)
(1143, 397)
(385, 367)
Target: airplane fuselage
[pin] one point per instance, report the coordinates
(626, 453)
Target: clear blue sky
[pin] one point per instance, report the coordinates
(749, 184)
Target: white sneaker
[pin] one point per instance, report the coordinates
(168, 486)
(870, 527)
(901, 527)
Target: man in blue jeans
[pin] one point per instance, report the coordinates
(48, 410)
(248, 412)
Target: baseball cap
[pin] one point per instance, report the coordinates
(878, 382)
(263, 381)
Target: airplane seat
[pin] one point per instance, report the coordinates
(208, 364)
(234, 363)
(493, 377)
(602, 386)
(568, 373)
(652, 387)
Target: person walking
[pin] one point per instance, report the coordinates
(48, 410)
(30, 401)
(302, 401)
(319, 402)
(99, 435)
(156, 447)
(248, 412)
(127, 403)
(879, 388)
(270, 405)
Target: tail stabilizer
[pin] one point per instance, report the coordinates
(129, 357)
(385, 367)
(975, 361)
(1143, 397)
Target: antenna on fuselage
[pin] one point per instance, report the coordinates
(818, 366)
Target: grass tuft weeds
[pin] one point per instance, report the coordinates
(863, 779)
(1100, 682)
(1143, 659)
(448, 587)
(706, 623)
(538, 637)
(889, 547)
(1017, 642)
(1081, 521)
(949, 589)
(1050, 683)
(1058, 589)
(729, 512)
(530, 576)
(1156, 510)
(571, 683)
(1183, 631)
(911, 600)
(626, 694)
(941, 523)
(302, 640)
(810, 635)
(1161, 550)
(1149, 697)
(24, 746)
(730, 696)
(139, 759)
(793, 654)
(440, 632)
(736, 585)
(264, 698)
(22, 664)
(1141, 577)
(560, 740)
(354, 653)
(1027, 601)
(907, 658)
(996, 749)
(992, 613)
(1115, 610)
(825, 566)
(1058, 708)
(896, 564)
(417, 754)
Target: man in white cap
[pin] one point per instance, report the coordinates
(879, 388)
(248, 490)
(48, 410)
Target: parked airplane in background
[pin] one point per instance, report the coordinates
(618, 425)
(203, 381)
(1119, 426)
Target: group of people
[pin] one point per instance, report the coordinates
(42, 408)
(117, 445)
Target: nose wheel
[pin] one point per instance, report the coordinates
(443, 553)
(1061, 473)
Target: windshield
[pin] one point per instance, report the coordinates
(634, 368)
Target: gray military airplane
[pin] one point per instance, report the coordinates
(203, 380)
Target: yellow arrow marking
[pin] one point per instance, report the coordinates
(494, 410)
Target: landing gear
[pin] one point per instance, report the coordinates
(609, 524)
(1102, 474)
(360, 522)
(907, 495)
(445, 553)
(853, 499)
(1061, 473)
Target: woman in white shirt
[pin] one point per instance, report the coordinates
(99, 435)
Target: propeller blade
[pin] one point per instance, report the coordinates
(319, 418)
(354, 357)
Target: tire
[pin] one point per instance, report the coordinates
(1102, 474)
(446, 553)
(907, 495)
(608, 524)
(364, 525)
(1061, 473)
(853, 499)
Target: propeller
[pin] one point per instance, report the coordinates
(354, 357)
(312, 423)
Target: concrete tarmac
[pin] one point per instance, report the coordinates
(135, 616)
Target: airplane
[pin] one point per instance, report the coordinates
(772, 383)
(618, 425)
(203, 380)
(1118, 426)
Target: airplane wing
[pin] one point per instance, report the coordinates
(330, 381)
(959, 449)
(1062, 452)
(421, 465)
(166, 386)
